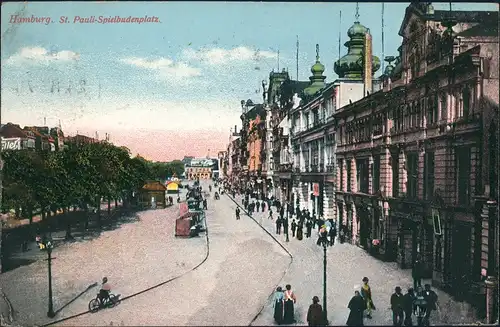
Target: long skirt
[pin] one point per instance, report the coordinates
(299, 234)
(289, 315)
(355, 318)
(278, 312)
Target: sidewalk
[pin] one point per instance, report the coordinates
(346, 267)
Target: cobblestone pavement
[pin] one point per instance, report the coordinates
(135, 256)
(346, 267)
(230, 288)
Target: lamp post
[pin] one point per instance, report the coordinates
(49, 246)
(323, 241)
(287, 221)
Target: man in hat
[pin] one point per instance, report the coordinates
(397, 307)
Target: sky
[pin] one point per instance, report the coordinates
(172, 86)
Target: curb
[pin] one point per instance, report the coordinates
(279, 243)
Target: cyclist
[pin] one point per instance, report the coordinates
(105, 290)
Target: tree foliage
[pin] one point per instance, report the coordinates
(79, 176)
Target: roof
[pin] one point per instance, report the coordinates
(442, 15)
(154, 186)
(257, 110)
(12, 130)
(483, 29)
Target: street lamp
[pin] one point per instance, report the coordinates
(323, 241)
(49, 246)
(287, 221)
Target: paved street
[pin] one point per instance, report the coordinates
(230, 288)
(135, 256)
(346, 267)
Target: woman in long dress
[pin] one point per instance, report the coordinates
(278, 305)
(290, 300)
(357, 305)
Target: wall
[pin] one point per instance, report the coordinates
(349, 90)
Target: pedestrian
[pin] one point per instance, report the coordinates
(333, 234)
(282, 211)
(408, 299)
(204, 204)
(257, 205)
(300, 231)
(263, 205)
(290, 300)
(357, 305)
(397, 307)
(420, 307)
(417, 272)
(279, 297)
(323, 236)
(366, 293)
(278, 225)
(294, 227)
(285, 226)
(270, 214)
(308, 228)
(237, 213)
(315, 315)
(432, 301)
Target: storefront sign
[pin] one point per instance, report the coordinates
(316, 189)
(11, 143)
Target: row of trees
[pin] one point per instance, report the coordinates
(79, 177)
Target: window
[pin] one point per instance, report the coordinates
(443, 107)
(463, 159)
(432, 109)
(428, 175)
(465, 102)
(314, 152)
(341, 168)
(348, 171)
(395, 175)
(376, 174)
(362, 175)
(412, 174)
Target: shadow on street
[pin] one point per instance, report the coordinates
(20, 249)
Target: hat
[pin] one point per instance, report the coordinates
(365, 279)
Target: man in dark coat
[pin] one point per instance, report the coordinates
(237, 213)
(308, 228)
(315, 314)
(278, 225)
(333, 234)
(357, 305)
(397, 307)
(263, 205)
(282, 211)
(257, 205)
(285, 226)
(294, 227)
(431, 297)
(408, 306)
(417, 271)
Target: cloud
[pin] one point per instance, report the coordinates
(219, 56)
(39, 55)
(164, 66)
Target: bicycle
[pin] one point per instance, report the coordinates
(97, 304)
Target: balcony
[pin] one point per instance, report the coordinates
(330, 168)
(297, 170)
(314, 168)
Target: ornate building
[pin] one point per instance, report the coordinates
(202, 168)
(418, 161)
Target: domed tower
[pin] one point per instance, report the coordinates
(351, 65)
(317, 79)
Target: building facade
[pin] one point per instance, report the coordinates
(200, 169)
(418, 159)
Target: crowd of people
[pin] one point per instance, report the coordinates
(405, 308)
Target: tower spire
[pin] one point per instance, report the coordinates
(357, 12)
(317, 52)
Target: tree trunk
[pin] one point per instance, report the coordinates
(86, 220)
(99, 222)
(109, 206)
(43, 213)
(116, 203)
(68, 237)
(18, 212)
(30, 215)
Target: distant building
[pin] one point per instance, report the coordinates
(15, 138)
(79, 139)
(201, 168)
